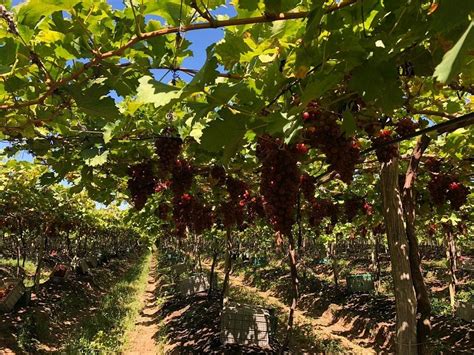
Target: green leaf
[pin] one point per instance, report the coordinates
(47, 179)
(348, 123)
(453, 59)
(109, 130)
(319, 84)
(8, 48)
(379, 83)
(224, 134)
(98, 160)
(207, 74)
(95, 102)
(31, 11)
(170, 10)
(154, 92)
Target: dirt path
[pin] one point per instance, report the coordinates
(317, 327)
(142, 337)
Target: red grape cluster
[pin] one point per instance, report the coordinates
(342, 153)
(183, 175)
(352, 206)
(202, 217)
(368, 209)
(308, 187)
(405, 126)
(378, 229)
(182, 210)
(255, 208)
(433, 165)
(432, 227)
(457, 194)
(161, 186)
(163, 211)
(218, 174)
(141, 183)
(168, 149)
(444, 187)
(232, 214)
(438, 186)
(237, 190)
(386, 153)
(60, 270)
(322, 208)
(279, 182)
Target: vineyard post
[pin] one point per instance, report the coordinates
(41, 251)
(333, 255)
(451, 257)
(294, 288)
(227, 267)
(212, 273)
(405, 298)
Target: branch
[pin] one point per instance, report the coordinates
(165, 31)
(204, 14)
(137, 24)
(188, 70)
(441, 128)
(456, 86)
(431, 113)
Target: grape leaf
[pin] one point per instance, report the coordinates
(452, 60)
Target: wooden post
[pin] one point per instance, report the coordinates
(451, 256)
(405, 298)
(294, 288)
(227, 267)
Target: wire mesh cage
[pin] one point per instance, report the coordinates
(195, 283)
(246, 325)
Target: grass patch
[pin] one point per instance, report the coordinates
(30, 269)
(105, 332)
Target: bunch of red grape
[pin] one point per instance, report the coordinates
(141, 183)
(161, 186)
(432, 227)
(438, 186)
(202, 217)
(378, 229)
(312, 112)
(444, 187)
(352, 206)
(183, 209)
(385, 153)
(232, 214)
(255, 208)
(237, 189)
(405, 126)
(218, 174)
(279, 182)
(163, 211)
(457, 194)
(168, 149)
(322, 208)
(183, 175)
(308, 187)
(342, 153)
(60, 270)
(368, 209)
(433, 165)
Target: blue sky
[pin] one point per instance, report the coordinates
(200, 41)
